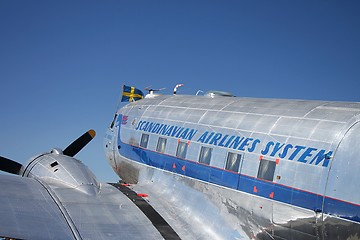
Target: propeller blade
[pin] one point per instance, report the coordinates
(9, 166)
(79, 143)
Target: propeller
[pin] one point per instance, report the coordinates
(9, 166)
(13, 167)
(79, 143)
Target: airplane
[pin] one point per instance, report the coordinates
(224, 167)
(197, 167)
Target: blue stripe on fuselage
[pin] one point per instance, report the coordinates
(236, 181)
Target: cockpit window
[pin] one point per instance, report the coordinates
(113, 121)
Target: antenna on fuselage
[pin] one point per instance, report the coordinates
(176, 87)
(199, 91)
(152, 91)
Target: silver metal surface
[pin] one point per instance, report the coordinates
(319, 125)
(62, 171)
(28, 212)
(107, 215)
(60, 198)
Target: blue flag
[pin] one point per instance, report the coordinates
(131, 94)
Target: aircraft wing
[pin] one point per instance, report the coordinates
(28, 212)
(33, 209)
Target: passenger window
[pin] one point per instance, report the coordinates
(205, 155)
(144, 140)
(181, 149)
(233, 162)
(266, 170)
(161, 145)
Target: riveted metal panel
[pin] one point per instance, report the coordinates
(343, 180)
(216, 103)
(326, 131)
(280, 107)
(107, 215)
(27, 211)
(338, 114)
(228, 119)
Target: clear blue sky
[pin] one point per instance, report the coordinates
(62, 63)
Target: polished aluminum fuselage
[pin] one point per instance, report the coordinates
(313, 147)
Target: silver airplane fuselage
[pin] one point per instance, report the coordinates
(243, 168)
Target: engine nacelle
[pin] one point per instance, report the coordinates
(59, 170)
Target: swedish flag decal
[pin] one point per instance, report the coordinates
(131, 94)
